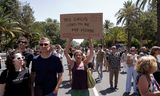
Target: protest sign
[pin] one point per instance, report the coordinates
(81, 26)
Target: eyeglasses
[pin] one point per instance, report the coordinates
(19, 58)
(45, 44)
(24, 42)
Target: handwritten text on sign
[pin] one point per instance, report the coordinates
(81, 26)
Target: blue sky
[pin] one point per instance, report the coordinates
(53, 8)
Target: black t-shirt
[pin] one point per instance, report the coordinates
(17, 83)
(46, 70)
(28, 58)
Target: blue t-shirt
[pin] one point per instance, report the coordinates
(46, 70)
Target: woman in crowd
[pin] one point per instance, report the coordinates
(14, 80)
(146, 84)
(78, 67)
(155, 51)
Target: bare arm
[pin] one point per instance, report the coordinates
(58, 83)
(66, 50)
(2, 89)
(33, 74)
(91, 53)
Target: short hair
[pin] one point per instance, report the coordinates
(22, 38)
(44, 38)
(100, 45)
(146, 65)
(133, 48)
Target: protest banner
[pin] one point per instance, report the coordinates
(81, 26)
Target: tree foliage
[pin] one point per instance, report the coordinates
(153, 5)
(126, 15)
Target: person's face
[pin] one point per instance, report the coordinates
(18, 59)
(22, 43)
(44, 45)
(133, 51)
(78, 56)
(113, 50)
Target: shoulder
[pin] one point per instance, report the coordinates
(143, 79)
(4, 72)
(3, 76)
(128, 54)
(118, 53)
(136, 55)
(109, 55)
(27, 53)
(35, 58)
(54, 57)
(103, 51)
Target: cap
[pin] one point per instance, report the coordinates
(132, 48)
(113, 47)
(155, 48)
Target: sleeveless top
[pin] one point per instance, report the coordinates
(79, 77)
(153, 85)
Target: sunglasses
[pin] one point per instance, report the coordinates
(45, 44)
(24, 42)
(20, 58)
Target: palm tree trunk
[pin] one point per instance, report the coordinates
(129, 39)
(129, 34)
(158, 23)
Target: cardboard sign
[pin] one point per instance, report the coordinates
(81, 26)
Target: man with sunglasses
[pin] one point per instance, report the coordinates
(46, 70)
(22, 45)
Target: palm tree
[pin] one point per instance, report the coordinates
(126, 16)
(154, 4)
(115, 35)
(107, 25)
(8, 27)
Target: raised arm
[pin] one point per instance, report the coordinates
(91, 53)
(66, 51)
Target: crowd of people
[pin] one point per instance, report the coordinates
(40, 72)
